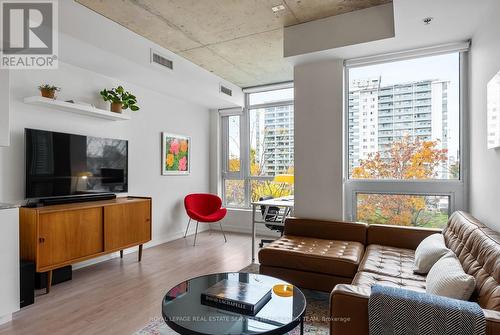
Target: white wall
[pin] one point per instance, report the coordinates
(485, 164)
(4, 108)
(318, 139)
(9, 263)
(158, 113)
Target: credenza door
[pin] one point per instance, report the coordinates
(68, 235)
(127, 224)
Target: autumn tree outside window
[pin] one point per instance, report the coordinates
(404, 139)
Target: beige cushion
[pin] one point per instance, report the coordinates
(447, 278)
(428, 252)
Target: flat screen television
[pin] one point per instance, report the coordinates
(61, 165)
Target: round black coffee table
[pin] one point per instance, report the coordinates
(183, 311)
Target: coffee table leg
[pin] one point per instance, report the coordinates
(302, 326)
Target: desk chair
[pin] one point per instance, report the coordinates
(272, 216)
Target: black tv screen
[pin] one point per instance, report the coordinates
(59, 164)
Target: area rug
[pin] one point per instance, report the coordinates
(315, 322)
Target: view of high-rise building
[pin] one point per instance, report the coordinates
(274, 141)
(382, 114)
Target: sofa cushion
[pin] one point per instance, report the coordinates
(478, 249)
(366, 280)
(390, 261)
(448, 279)
(428, 252)
(338, 258)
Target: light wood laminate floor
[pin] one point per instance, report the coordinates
(120, 296)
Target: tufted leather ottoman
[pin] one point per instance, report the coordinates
(338, 258)
(315, 254)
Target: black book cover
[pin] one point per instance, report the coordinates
(242, 298)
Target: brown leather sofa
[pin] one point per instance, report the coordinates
(347, 259)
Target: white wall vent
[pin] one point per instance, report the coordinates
(158, 59)
(226, 91)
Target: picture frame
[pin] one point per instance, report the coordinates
(493, 111)
(175, 154)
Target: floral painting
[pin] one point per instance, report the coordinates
(175, 154)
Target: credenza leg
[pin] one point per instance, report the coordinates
(140, 252)
(121, 253)
(49, 282)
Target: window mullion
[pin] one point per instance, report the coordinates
(245, 151)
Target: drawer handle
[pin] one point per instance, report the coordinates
(41, 239)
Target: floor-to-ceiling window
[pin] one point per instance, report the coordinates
(257, 146)
(405, 142)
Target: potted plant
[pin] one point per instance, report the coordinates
(48, 91)
(120, 99)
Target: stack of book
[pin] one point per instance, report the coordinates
(238, 297)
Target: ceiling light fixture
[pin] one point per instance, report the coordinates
(427, 20)
(278, 8)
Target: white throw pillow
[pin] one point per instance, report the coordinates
(447, 278)
(428, 252)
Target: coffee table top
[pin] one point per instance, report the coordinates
(183, 312)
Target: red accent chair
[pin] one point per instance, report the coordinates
(204, 207)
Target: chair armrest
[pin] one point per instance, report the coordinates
(349, 310)
(492, 321)
(398, 236)
(327, 230)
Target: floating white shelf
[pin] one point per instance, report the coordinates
(76, 108)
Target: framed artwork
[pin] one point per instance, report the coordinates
(175, 154)
(493, 107)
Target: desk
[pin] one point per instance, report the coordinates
(286, 207)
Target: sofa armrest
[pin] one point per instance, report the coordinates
(492, 321)
(349, 310)
(327, 230)
(398, 236)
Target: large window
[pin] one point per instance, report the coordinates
(404, 161)
(257, 146)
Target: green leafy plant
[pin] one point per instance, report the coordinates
(49, 87)
(119, 95)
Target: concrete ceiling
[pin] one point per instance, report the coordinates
(239, 40)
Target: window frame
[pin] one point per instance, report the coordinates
(456, 190)
(244, 173)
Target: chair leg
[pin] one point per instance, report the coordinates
(220, 224)
(187, 228)
(195, 234)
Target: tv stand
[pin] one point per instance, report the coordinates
(75, 199)
(54, 236)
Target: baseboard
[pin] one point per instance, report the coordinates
(5, 318)
(153, 243)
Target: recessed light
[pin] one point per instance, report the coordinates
(427, 20)
(278, 8)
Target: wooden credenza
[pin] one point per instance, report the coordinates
(60, 235)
